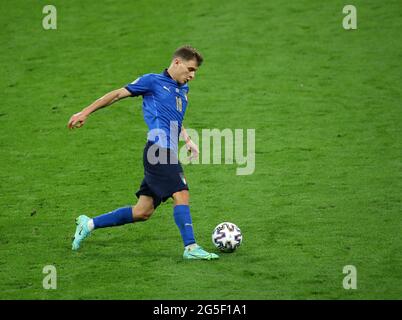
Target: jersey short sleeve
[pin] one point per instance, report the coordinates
(140, 86)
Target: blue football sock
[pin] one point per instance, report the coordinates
(117, 217)
(182, 218)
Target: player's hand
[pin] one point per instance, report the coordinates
(192, 148)
(77, 120)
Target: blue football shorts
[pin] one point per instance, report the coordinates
(161, 180)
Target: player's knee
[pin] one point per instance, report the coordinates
(181, 197)
(147, 214)
(142, 213)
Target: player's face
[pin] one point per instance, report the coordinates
(185, 70)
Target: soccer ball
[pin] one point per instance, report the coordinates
(227, 237)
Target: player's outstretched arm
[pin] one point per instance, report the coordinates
(77, 120)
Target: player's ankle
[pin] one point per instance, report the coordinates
(191, 246)
(90, 224)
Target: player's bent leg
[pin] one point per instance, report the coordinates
(144, 208)
(85, 225)
(183, 221)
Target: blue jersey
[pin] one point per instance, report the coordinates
(164, 105)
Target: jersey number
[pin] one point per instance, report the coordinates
(179, 104)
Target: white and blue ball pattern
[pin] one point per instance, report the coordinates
(227, 237)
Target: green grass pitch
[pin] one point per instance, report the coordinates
(326, 106)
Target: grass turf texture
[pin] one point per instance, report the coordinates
(325, 103)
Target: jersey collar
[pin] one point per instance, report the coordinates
(166, 74)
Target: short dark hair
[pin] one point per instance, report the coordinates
(188, 53)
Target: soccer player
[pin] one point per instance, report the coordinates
(164, 105)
